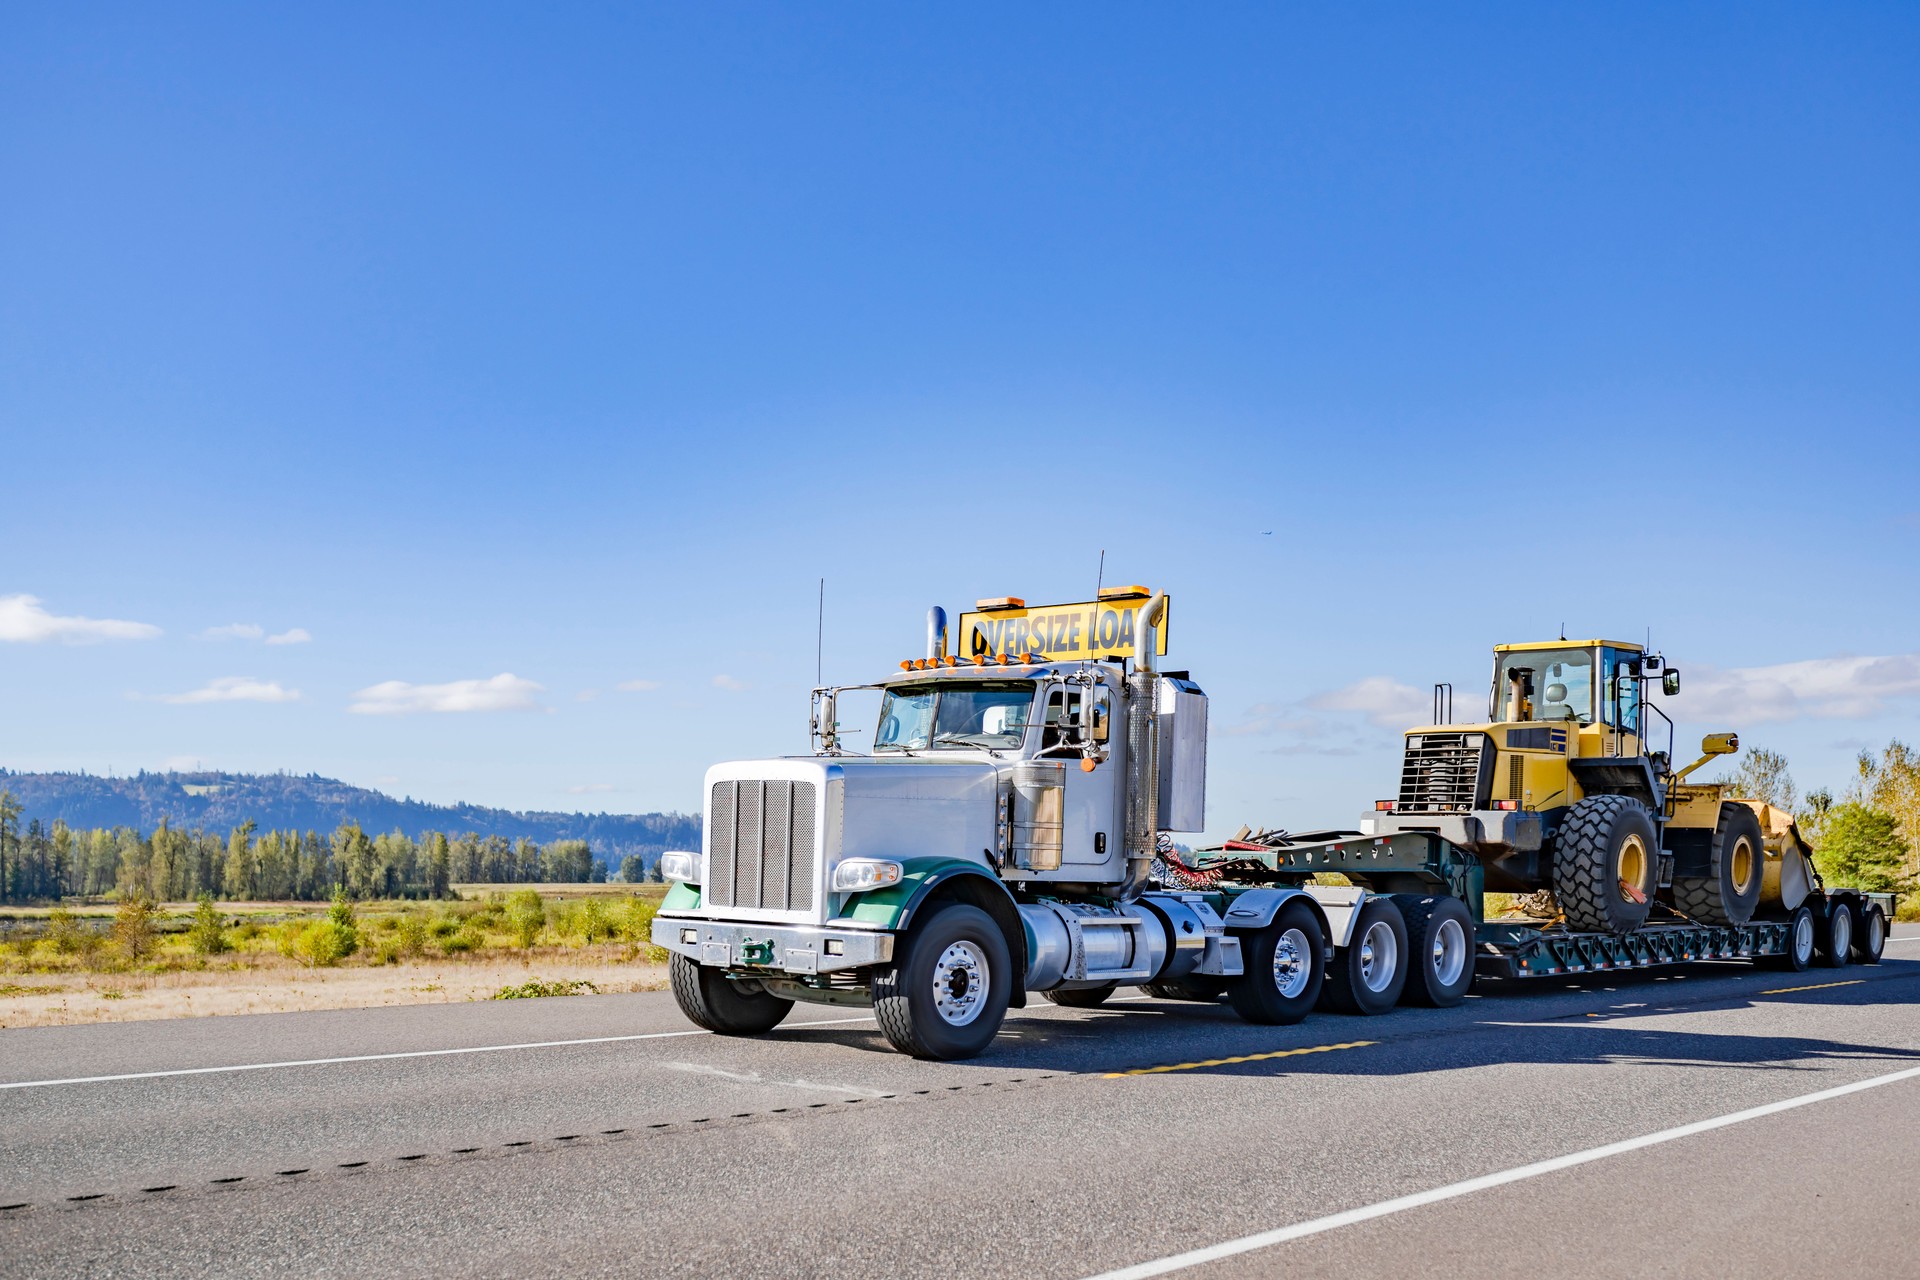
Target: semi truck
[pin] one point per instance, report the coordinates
(1008, 833)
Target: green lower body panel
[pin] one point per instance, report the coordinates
(1519, 951)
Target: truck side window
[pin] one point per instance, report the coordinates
(1062, 727)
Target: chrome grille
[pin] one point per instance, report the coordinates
(1446, 772)
(760, 844)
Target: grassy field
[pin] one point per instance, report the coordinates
(113, 962)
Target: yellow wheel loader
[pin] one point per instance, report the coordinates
(1561, 790)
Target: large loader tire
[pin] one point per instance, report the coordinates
(1284, 969)
(1730, 890)
(1370, 972)
(1081, 997)
(947, 994)
(1606, 842)
(1439, 949)
(712, 1000)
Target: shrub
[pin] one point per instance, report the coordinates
(208, 935)
(591, 922)
(22, 942)
(444, 927)
(320, 944)
(410, 934)
(526, 916)
(340, 916)
(66, 934)
(133, 929)
(388, 952)
(535, 989)
(458, 943)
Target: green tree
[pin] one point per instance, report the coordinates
(9, 832)
(633, 868)
(1862, 848)
(133, 928)
(242, 881)
(526, 916)
(1891, 784)
(439, 866)
(1763, 775)
(208, 935)
(340, 917)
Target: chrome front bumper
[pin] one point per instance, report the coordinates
(770, 947)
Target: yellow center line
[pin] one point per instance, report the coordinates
(1247, 1057)
(1818, 986)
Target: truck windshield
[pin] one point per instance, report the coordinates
(950, 716)
(1562, 685)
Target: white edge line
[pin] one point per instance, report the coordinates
(389, 1057)
(1332, 1222)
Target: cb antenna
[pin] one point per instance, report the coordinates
(1100, 579)
(820, 634)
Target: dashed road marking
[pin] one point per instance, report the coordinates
(1235, 1061)
(1817, 986)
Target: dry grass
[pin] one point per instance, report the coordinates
(49, 1000)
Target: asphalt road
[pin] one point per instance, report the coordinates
(1088, 1141)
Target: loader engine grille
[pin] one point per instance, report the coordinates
(1446, 771)
(761, 845)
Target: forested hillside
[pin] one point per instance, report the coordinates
(221, 801)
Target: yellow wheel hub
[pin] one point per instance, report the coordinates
(1633, 863)
(1744, 863)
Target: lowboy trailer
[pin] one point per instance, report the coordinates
(1007, 834)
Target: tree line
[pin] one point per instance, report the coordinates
(1867, 837)
(46, 862)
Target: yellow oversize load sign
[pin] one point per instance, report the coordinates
(1092, 629)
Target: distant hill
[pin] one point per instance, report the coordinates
(278, 801)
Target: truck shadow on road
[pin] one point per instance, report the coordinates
(1561, 1024)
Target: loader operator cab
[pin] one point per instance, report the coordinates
(1560, 685)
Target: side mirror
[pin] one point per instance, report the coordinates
(1099, 732)
(1670, 682)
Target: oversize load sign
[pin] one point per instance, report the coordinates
(1059, 631)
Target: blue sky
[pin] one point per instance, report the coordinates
(491, 348)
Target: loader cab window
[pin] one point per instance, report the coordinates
(1620, 708)
(953, 716)
(1561, 686)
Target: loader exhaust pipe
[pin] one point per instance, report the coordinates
(1143, 750)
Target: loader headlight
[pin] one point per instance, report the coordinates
(857, 875)
(684, 867)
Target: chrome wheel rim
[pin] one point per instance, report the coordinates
(960, 979)
(1449, 952)
(1803, 935)
(1292, 964)
(1379, 956)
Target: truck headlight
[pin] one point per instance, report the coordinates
(857, 875)
(680, 866)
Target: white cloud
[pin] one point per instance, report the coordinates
(637, 686)
(590, 789)
(23, 620)
(1819, 688)
(234, 631)
(294, 635)
(232, 689)
(729, 683)
(1384, 701)
(504, 692)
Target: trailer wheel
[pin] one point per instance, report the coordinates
(947, 995)
(1283, 968)
(1081, 997)
(1730, 890)
(1606, 865)
(712, 1000)
(1370, 972)
(1439, 948)
(1833, 934)
(1201, 988)
(1800, 943)
(1870, 935)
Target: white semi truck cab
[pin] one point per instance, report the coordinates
(1001, 837)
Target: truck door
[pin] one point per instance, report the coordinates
(1078, 719)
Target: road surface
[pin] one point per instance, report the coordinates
(1722, 1120)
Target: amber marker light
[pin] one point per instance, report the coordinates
(1087, 764)
(906, 664)
(981, 659)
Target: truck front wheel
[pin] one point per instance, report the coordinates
(946, 997)
(1283, 968)
(712, 1000)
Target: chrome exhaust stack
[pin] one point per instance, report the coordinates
(1143, 750)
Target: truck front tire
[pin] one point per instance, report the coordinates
(1284, 969)
(1440, 940)
(716, 1002)
(947, 995)
(1606, 842)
